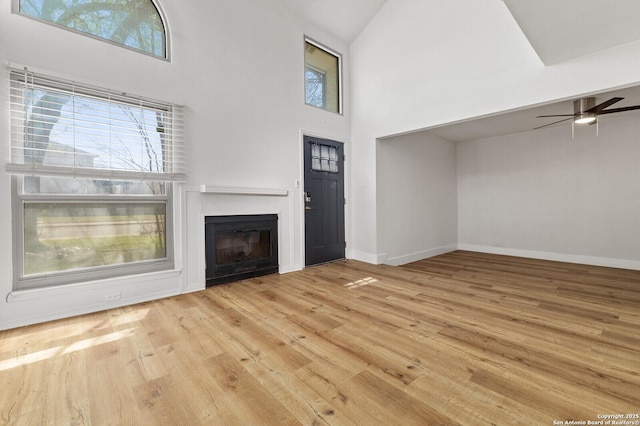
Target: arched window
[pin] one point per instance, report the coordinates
(136, 24)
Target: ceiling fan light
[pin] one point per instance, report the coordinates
(585, 119)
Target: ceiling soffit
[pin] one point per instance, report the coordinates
(562, 30)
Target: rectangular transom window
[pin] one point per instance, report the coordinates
(322, 75)
(92, 185)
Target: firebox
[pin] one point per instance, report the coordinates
(240, 247)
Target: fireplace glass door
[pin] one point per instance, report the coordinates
(240, 247)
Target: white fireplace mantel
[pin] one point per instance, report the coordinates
(233, 190)
(202, 200)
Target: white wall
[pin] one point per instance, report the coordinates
(238, 68)
(419, 64)
(417, 197)
(541, 194)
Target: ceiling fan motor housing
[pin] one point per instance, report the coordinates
(582, 105)
(580, 108)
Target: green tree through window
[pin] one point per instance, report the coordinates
(136, 24)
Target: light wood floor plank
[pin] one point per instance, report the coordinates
(463, 338)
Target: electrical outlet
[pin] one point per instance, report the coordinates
(113, 296)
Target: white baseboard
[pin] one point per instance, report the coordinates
(40, 317)
(376, 259)
(424, 254)
(289, 270)
(558, 257)
(193, 287)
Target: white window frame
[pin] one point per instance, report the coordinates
(20, 199)
(15, 8)
(22, 282)
(340, 85)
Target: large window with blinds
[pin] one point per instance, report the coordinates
(93, 172)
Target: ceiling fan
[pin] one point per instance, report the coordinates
(585, 111)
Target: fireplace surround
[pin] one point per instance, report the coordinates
(238, 247)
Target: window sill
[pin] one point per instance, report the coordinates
(68, 289)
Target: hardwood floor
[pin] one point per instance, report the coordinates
(462, 338)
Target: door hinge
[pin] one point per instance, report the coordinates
(345, 201)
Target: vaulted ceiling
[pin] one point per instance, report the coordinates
(562, 30)
(557, 30)
(343, 18)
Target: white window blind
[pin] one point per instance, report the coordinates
(63, 128)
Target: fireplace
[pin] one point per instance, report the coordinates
(240, 247)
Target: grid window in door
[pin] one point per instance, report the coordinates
(324, 158)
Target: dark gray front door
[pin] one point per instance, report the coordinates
(324, 200)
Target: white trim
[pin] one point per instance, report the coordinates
(345, 192)
(103, 273)
(87, 81)
(294, 268)
(167, 35)
(557, 257)
(349, 254)
(74, 288)
(95, 173)
(424, 254)
(211, 200)
(211, 189)
(190, 188)
(15, 9)
(193, 287)
(340, 83)
(38, 318)
(375, 259)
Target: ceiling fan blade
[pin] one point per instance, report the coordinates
(555, 122)
(614, 110)
(598, 108)
(556, 115)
